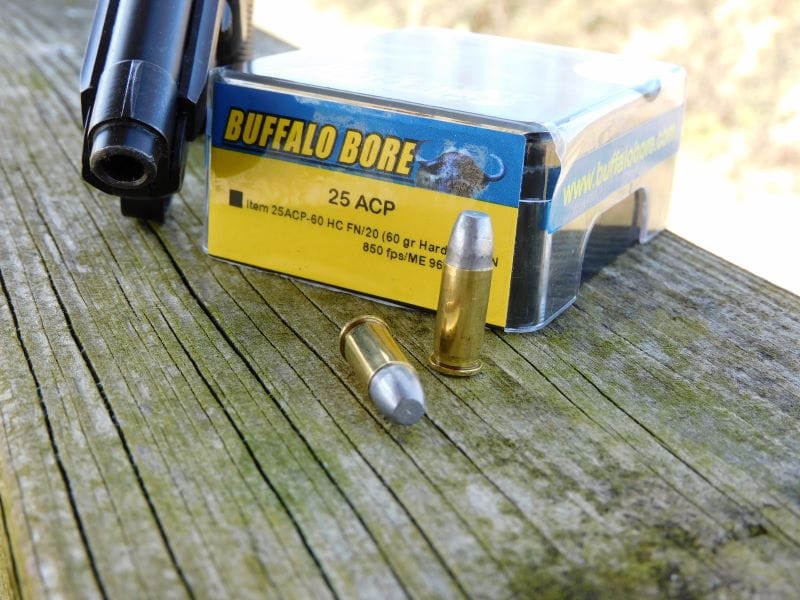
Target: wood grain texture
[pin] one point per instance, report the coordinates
(174, 426)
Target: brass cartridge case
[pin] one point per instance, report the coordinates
(464, 296)
(380, 365)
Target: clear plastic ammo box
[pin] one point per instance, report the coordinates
(348, 167)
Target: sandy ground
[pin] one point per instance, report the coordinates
(737, 187)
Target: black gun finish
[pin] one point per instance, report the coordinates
(143, 91)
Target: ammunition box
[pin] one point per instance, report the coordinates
(349, 167)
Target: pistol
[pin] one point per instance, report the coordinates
(143, 92)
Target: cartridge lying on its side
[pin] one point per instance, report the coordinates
(391, 381)
(464, 295)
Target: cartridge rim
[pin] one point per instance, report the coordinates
(352, 324)
(464, 371)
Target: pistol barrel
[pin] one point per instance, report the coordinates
(143, 90)
(132, 124)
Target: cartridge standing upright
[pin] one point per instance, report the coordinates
(464, 295)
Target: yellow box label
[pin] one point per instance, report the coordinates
(366, 235)
(354, 195)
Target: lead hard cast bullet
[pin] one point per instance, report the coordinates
(464, 295)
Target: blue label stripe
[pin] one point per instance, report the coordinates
(594, 176)
(450, 157)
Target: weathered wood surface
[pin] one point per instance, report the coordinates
(174, 426)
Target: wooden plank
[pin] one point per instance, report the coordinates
(601, 478)
(175, 426)
(338, 424)
(78, 431)
(356, 564)
(9, 580)
(724, 521)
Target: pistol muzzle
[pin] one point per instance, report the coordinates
(125, 156)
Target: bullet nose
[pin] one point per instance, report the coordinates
(125, 156)
(397, 392)
(471, 242)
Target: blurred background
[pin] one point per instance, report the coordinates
(737, 188)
